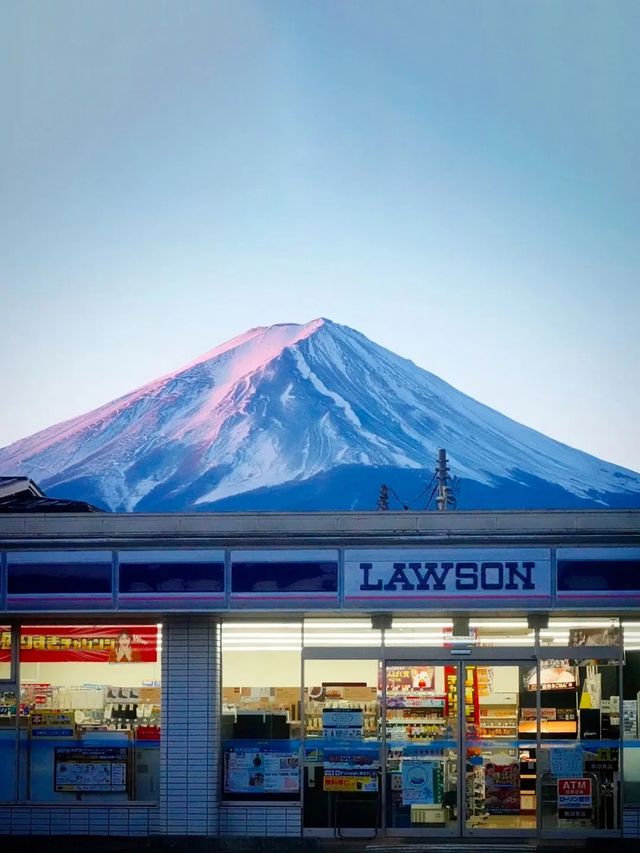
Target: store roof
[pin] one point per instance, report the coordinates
(23, 495)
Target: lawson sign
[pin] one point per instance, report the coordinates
(443, 577)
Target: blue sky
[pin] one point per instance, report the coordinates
(459, 181)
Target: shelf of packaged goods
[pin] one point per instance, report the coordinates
(512, 716)
(549, 727)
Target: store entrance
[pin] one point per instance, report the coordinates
(458, 760)
(420, 746)
(499, 748)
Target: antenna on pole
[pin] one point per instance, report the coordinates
(444, 497)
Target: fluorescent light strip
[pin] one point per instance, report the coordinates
(425, 624)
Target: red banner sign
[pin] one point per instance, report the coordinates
(83, 644)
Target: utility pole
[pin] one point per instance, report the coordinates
(383, 497)
(442, 498)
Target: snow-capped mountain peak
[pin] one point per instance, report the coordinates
(283, 414)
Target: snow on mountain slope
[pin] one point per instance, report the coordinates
(285, 404)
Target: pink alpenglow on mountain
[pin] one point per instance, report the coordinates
(305, 417)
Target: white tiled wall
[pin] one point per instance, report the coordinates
(190, 749)
(631, 823)
(79, 820)
(260, 820)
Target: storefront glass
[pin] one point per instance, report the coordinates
(630, 709)
(261, 710)
(89, 713)
(5, 652)
(580, 755)
(342, 744)
(421, 729)
(500, 747)
(8, 743)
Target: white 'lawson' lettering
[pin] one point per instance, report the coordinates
(464, 576)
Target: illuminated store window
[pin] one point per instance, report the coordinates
(90, 713)
(501, 632)
(579, 631)
(5, 652)
(630, 712)
(440, 633)
(341, 633)
(261, 675)
(419, 633)
(342, 746)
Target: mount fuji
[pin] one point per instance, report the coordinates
(306, 417)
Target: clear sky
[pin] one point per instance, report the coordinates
(460, 181)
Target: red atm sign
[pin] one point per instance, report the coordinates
(574, 799)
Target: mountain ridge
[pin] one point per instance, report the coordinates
(289, 403)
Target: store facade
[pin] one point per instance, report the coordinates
(392, 674)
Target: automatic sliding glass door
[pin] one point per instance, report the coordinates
(499, 748)
(420, 716)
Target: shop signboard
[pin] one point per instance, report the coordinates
(85, 644)
(472, 577)
(261, 767)
(502, 788)
(574, 799)
(91, 769)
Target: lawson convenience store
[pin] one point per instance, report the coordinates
(420, 675)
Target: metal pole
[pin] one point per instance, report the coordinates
(443, 476)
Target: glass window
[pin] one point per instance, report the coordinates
(419, 633)
(340, 633)
(580, 631)
(630, 713)
(342, 742)
(58, 578)
(580, 756)
(619, 575)
(500, 757)
(261, 674)
(5, 652)
(90, 713)
(298, 576)
(8, 744)
(171, 577)
(440, 633)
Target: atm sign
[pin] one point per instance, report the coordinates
(574, 798)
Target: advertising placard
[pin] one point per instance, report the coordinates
(261, 767)
(52, 724)
(566, 762)
(84, 643)
(417, 782)
(502, 788)
(350, 780)
(342, 723)
(574, 799)
(89, 768)
(351, 766)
